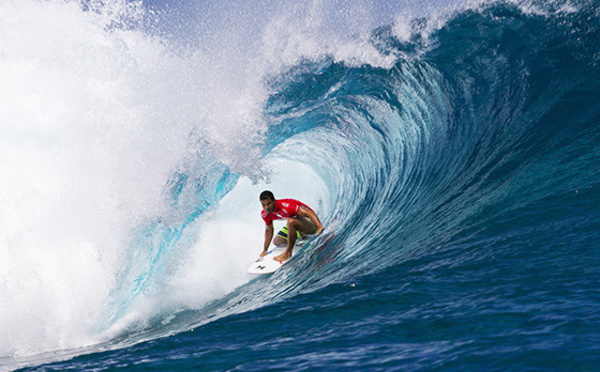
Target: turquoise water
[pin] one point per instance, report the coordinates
(455, 168)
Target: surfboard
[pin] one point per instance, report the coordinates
(267, 265)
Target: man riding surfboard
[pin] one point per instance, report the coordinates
(301, 220)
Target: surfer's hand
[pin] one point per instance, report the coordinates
(264, 253)
(319, 231)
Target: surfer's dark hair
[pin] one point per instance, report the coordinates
(266, 195)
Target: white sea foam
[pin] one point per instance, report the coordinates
(93, 121)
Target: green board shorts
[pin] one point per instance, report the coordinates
(284, 233)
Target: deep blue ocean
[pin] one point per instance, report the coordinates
(451, 150)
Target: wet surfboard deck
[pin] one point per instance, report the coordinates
(267, 265)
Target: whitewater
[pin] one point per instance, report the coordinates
(451, 150)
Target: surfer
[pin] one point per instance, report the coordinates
(301, 220)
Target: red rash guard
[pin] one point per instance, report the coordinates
(285, 208)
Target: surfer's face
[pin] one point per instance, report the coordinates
(268, 205)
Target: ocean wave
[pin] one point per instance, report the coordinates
(408, 144)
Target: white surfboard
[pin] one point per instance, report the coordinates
(267, 265)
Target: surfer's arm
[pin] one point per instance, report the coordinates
(306, 212)
(268, 237)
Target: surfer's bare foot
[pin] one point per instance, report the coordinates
(283, 257)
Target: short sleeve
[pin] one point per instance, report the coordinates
(266, 218)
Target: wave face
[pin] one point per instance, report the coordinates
(454, 165)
